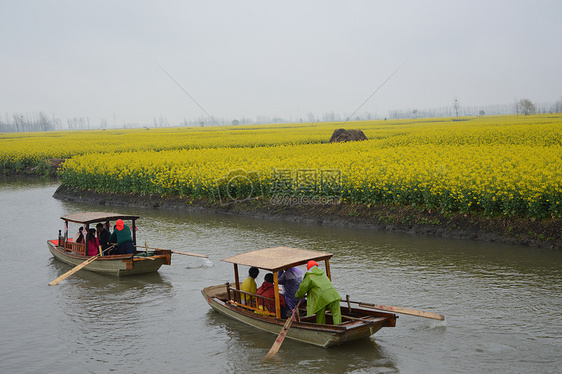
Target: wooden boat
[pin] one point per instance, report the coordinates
(227, 299)
(67, 251)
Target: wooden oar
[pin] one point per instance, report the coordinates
(73, 270)
(281, 337)
(397, 309)
(190, 254)
(179, 253)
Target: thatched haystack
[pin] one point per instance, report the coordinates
(342, 135)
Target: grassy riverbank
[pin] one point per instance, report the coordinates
(545, 233)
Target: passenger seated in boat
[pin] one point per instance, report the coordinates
(103, 238)
(267, 290)
(249, 285)
(79, 236)
(122, 236)
(92, 243)
(321, 292)
(291, 280)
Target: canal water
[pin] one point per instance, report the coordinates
(502, 303)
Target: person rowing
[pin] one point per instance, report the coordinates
(322, 294)
(122, 236)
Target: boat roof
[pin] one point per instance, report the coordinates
(93, 217)
(278, 258)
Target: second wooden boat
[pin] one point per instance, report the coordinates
(71, 253)
(227, 299)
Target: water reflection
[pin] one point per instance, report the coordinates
(23, 182)
(247, 348)
(106, 316)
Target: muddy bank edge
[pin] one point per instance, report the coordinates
(513, 230)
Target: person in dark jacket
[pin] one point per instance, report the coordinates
(103, 238)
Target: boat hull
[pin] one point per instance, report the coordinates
(116, 265)
(306, 332)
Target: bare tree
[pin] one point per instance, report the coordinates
(78, 123)
(517, 107)
(456, 106)
(558, 106)
(527, 107)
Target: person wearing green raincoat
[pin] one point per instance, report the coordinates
(321, 294)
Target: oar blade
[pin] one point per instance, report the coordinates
(280, 338)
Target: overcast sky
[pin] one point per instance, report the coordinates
(101, 59)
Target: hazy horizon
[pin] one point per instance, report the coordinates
(110, 60)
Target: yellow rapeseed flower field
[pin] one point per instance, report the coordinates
(496, 165)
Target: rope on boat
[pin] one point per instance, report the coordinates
(176, 289)
(192, 274)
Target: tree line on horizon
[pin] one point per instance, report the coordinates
(519, 107)
(41, 121)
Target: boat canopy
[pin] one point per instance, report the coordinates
(278, 258)
(93, 217)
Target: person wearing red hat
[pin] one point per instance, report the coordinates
(122, 236)
(322, 294)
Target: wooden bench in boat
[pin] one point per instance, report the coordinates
(78, 248)
(236, 297)
(70, 246)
